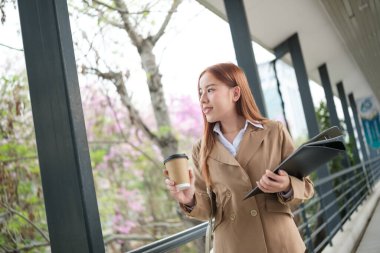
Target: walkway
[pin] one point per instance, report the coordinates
(370, 242)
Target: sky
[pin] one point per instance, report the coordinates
(199, 39)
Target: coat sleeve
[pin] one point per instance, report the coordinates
(302, 189)
(201, 210)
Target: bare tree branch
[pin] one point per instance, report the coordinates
(28, 247)
(114, 24)
(2, 11)
(91, 44)
(164, 224)
(160, 32)
(155, 162)
(124, 11)
(13, 48)
(13, 211)
(117, 79)
(165, 139)
(19, 159)
(4, 248)
(86, 11)
(100, 13)
(135, 37)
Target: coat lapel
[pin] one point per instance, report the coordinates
(250, 144)
(221, 154)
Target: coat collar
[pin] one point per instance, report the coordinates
(221, 154)
(250, 143)
(252, 139)
(247, 122)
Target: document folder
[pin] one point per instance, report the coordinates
(310, 155)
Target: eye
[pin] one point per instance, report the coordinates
(210, 90)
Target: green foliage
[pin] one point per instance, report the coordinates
(126, 166)
(323, 116)
(97, 156)
(20, 185)
(350, 149)
(127, 172)
(162, 131)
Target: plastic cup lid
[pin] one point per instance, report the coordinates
(175, 156)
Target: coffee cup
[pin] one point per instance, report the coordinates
(178, 170)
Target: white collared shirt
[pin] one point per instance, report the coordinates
(233, 147)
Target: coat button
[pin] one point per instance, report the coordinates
(233, 216)
(228, 193)
(253, 212)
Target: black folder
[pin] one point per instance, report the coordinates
(310, 155)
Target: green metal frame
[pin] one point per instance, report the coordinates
(292, 45)
(245, 57)
(67, 181)
(347, 119)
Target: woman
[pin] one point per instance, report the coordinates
(238, 150)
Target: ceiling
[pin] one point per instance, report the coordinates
(358, 24)
(344, 34)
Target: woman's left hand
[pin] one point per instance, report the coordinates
(272, 183)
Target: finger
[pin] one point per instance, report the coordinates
(283, 173)
(272, 175)
(283, 177)
(265, 180)
(191, 173)
(262, 187)
(264, 184)
(259, 186)
(169, 182)
(269, 183)
(192, 177)
(171, 188)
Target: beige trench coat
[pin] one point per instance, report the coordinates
(261, 224)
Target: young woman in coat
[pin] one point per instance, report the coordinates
(238, 150)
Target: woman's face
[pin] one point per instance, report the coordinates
(218, 101)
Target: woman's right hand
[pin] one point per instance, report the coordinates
(185, 196)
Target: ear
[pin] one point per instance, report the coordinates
(236, 93)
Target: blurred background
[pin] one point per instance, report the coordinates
(138, 63)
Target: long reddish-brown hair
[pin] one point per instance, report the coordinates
(232, 76)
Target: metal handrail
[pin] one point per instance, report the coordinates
(174, 241)
(337, 174)
(333, 216)
(317, 198)
(336, 228)
(365, 170)
(319, 213)
(363, 190)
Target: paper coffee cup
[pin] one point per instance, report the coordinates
(178, 170)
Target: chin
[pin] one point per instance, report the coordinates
(211, 120)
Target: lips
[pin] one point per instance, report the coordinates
(206, 110)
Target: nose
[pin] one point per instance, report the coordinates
(203, 98)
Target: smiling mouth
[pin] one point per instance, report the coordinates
(207, 110)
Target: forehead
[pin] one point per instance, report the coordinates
(208, 79)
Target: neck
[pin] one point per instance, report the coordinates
(233, 125)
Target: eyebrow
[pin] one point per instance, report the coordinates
(208, 85)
